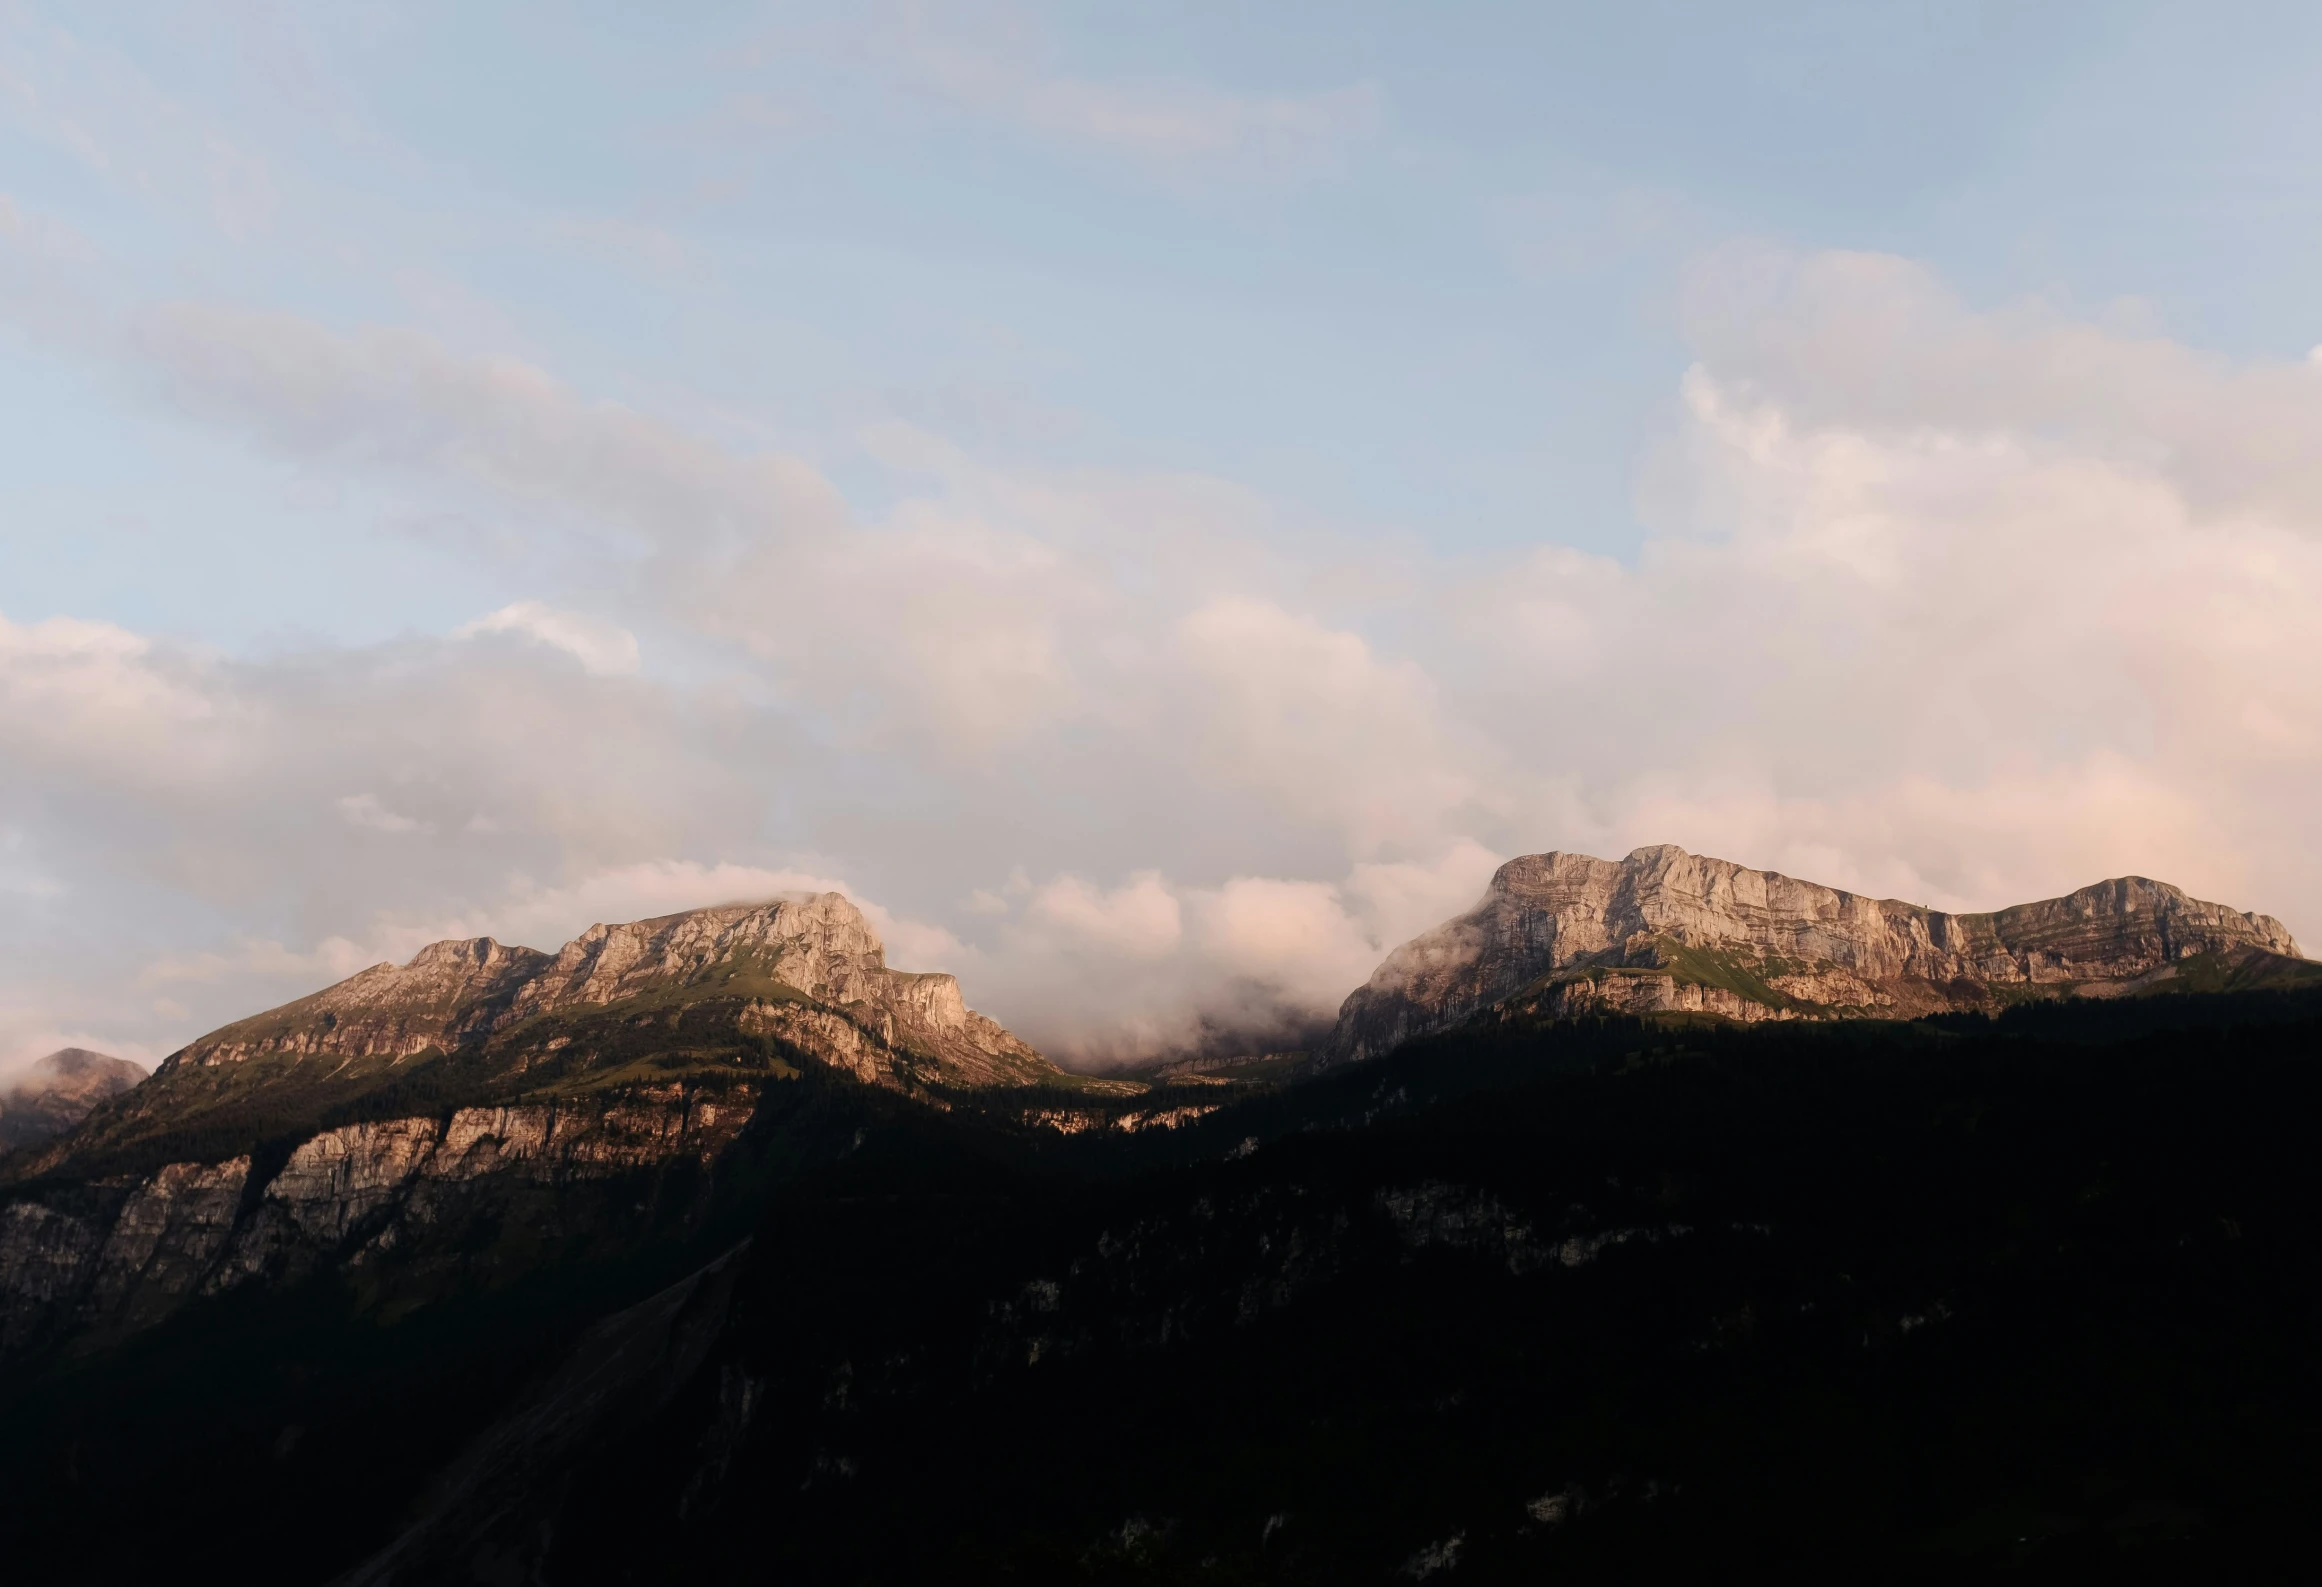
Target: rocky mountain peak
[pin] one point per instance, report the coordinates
(461, 955)
(819, 940)
(814, 949)
(1664, 929)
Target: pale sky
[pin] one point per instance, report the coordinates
(1153, 500)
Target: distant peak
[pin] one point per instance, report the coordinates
(80, 1060)
(75, 1069)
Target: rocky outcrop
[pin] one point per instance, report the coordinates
(120, 1254)
(57, 1092)
(1667, 931)
(817, 948)
(106, 1258)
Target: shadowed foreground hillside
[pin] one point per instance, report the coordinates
(2037, 1297)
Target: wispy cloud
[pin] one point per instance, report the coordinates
(101, 110)
(996, 63)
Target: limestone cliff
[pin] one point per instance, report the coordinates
(104, 1258)
(1668, 931)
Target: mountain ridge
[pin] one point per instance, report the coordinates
(1665, 931)
(805, 972)
(456, 1117)
(461, 990)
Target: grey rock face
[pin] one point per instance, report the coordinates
(116, 1255)
(1664, 930)
(108, 1258)
(58, 1091)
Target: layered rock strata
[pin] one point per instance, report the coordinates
(1668, 931)
(108, 1257)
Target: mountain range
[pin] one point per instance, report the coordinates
(428, 1173)
(328, 1131)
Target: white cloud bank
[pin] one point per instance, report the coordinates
(1957, 606)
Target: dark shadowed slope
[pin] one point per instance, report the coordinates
(2034, 1297)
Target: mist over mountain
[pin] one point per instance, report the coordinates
(52, 1094)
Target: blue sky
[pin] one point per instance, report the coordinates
(740, 354)
(1440, 311)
